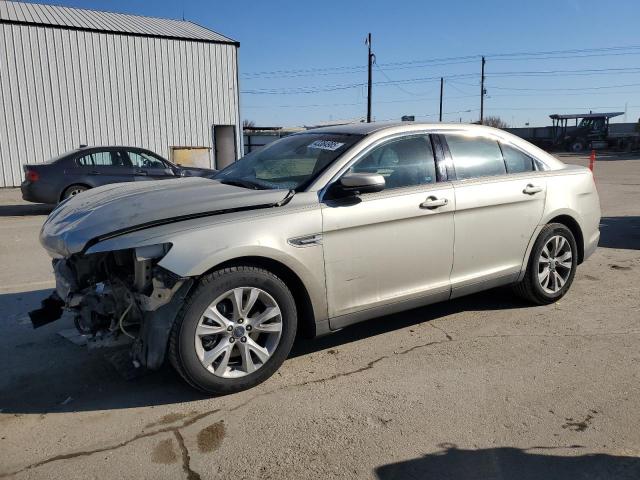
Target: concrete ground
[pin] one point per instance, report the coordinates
(481, 387)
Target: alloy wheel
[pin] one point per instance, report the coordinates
(555, 264)
(238, 332)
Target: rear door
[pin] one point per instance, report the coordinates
(100, 167)
(499, 202)
(149, 167)
(395, 245)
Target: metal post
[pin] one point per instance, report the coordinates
(482, 92)
(441, 90)
(370, 62)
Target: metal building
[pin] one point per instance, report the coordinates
(71, 76)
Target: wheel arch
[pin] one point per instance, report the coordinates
(79, 184)
(304, 305)
(572, 224)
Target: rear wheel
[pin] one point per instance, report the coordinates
(578, 145)
(235, 330)
(552, 266)
(73, 190)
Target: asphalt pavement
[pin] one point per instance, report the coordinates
(481, 387)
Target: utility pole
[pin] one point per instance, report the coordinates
(441, 90)
(482, 92)
(370, 64)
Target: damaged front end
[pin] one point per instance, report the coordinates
(118, 297)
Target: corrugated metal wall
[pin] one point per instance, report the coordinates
(61, 88)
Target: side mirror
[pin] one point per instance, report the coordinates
(353, 184)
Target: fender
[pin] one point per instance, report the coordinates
(198, 248)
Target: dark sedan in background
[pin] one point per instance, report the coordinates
(87, 167)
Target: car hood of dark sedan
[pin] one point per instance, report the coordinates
(118, 208)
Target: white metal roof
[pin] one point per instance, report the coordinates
(95, 20)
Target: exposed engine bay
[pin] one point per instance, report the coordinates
(116, 296)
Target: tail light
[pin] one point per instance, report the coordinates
(32, 176)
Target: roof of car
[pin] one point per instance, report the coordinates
(355, 128)
(369, 128)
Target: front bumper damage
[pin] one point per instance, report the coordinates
(116, 295)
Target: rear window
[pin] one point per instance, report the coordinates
(515, 160)
(475, 157)
(96, 158)
(102, 159)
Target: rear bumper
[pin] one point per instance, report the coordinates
(591, 244)
(38, 192)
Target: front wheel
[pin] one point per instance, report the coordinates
(552, 266)
(235, 330)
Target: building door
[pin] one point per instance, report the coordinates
(224, 142)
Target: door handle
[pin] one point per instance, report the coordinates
(94, 172)
(434, 202)
(141, 172)
(531, 189)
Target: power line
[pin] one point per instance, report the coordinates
(588, 71)
(562, 88)
(314, 105)
(412, 81)
(384, 74)
(560, 54)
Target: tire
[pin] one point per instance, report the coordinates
(73, 190)
(532, 287)
(577, 146)
(190, 350)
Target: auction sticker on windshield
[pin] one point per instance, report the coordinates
(326, 145)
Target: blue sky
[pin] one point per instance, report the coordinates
(308, 40)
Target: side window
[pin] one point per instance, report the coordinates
(404, 162)
(516, 161)
(96, 159)
(144, 160)
(475, 156)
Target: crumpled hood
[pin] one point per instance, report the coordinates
(119, 207)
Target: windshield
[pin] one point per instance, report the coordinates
(289, 163)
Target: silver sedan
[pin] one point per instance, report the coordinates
(315, 232)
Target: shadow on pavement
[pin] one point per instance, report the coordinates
(511, 464)
(23, 210)
(496, 299)
(620, 232)
(43, 372)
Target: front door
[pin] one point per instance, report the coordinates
(395, 245)
(148, 167)
(499, 203)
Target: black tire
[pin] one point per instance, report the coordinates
(577, 146)
(530, 288)
(182, 352)
(73, 190)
